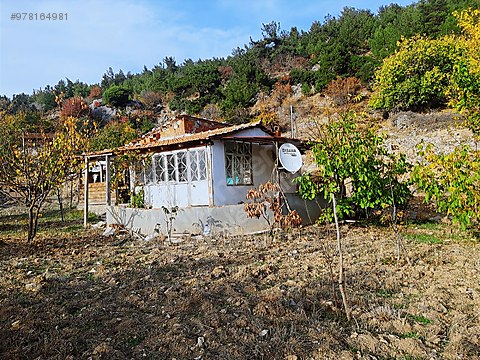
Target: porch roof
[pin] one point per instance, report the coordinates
(152, 140)
(184, 140)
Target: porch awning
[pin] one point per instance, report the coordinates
(267, 140)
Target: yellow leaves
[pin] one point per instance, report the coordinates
(39, 161)
(267, 117)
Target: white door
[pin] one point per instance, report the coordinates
(198, 180)
(179, 178)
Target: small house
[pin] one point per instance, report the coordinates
(204, 169)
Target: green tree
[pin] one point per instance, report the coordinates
(418, 75)
(354, 167)
(451, 181)
(465, 92)
(394, 22)
(45, 99)
(246, 81)
(113, 135)
(116, 95)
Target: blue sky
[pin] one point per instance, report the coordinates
(128, 34)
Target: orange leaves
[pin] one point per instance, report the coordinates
(76, 107)
(266, 202)
(343, 91)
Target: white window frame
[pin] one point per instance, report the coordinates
(193, 159)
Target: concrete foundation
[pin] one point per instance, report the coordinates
(222, 220)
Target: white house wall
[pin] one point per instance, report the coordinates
(262, 167)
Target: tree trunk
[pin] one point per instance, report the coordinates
(30, 235)
(33, 214)
(60, 203)
(341, 276)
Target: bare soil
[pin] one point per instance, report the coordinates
(83, 296)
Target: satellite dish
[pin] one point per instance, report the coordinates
(290, 157)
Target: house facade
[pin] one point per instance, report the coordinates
(205, 168)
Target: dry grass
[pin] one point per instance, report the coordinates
(79, 295)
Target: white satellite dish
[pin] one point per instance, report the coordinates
(290, 157)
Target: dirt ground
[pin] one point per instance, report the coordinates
(83, 296)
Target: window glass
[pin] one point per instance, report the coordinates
(238, 163)
(182, 166)
(202, 164)
(171, 167)
(193, 165)
(159, 166)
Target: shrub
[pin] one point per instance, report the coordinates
(418, 75)
(342, 91)
(95, 92)
(116, 95)
(352, 158)
(76, 107)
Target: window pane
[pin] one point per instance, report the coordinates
(238, 163)
(171, 167)
(229, 169)
(193, 165)
(182, 166)
(159, 164)
(202, 165)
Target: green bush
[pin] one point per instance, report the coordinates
(116, 95)
(352, 158)
(418, 75)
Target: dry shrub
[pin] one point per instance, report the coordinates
(76, 107)
(95, 92)
(284, 63)
(267, 118)
(151, 99)
(265, 201)
(225, 72)
(343, 91)
(281, 91)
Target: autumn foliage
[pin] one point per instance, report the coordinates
(344, 90)
(75, 107)
(36, 163)
(95, 92)
(266, 202)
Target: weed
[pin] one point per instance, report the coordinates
(72, 228)
(424, 238)
(427, 225)
(409, 335)
(420, 319)
(385, 293)
(135, 341)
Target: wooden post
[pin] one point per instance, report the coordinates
(108, 197)
(85, 193)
